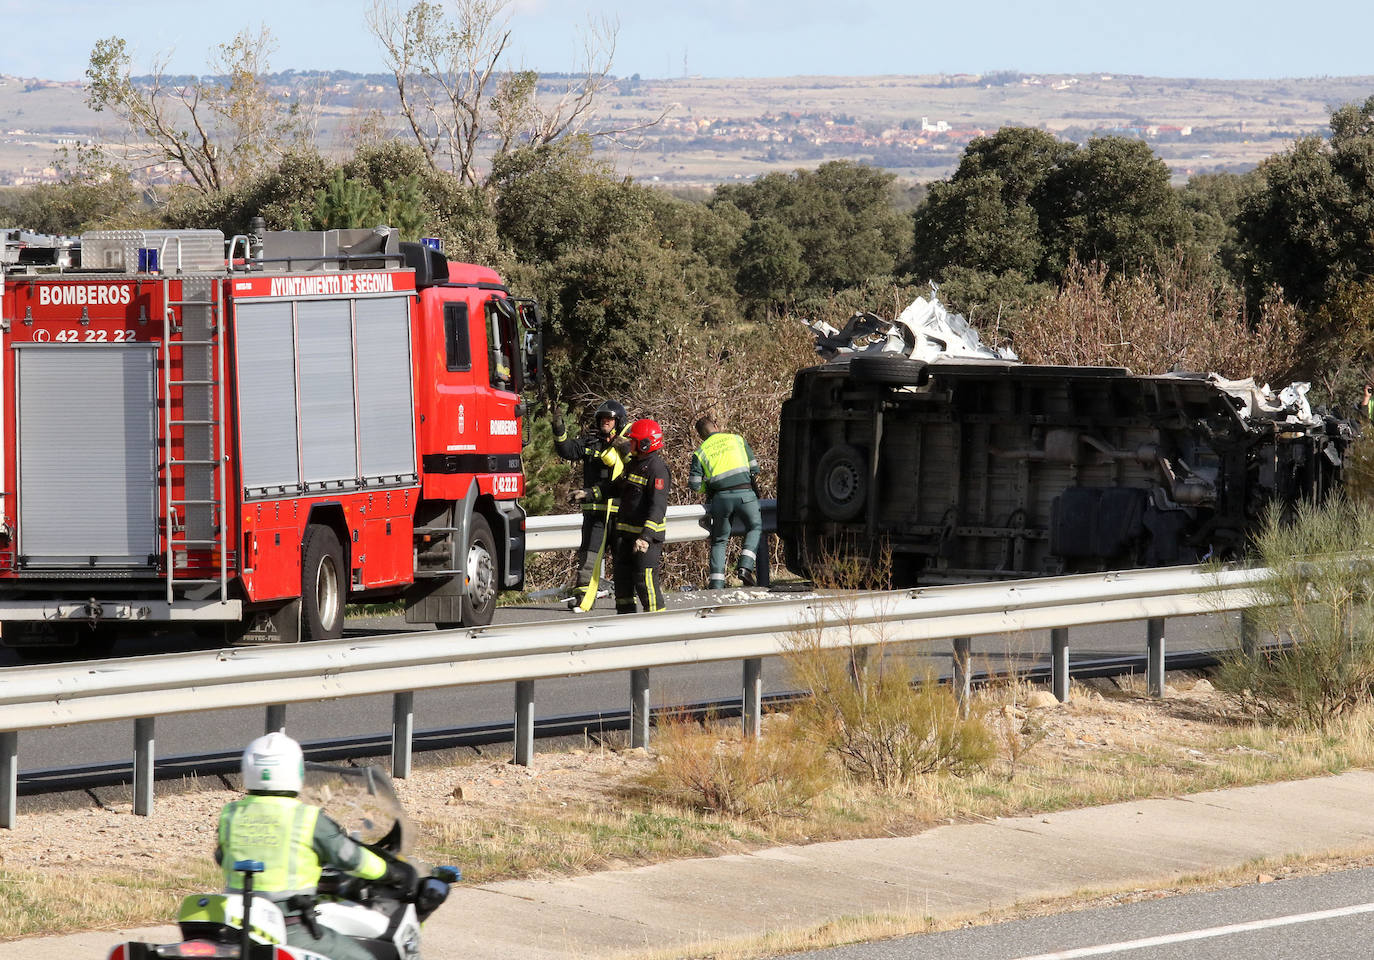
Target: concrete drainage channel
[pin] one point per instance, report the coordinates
(55, 780)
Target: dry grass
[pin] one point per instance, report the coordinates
(582, 837)
(34, 903)
(714, 767)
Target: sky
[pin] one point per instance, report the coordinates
(750, 38)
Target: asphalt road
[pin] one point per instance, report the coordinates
(228, 730)
(1329, 916)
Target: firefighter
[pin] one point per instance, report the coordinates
(643, 493)
(294, 840)
(724, 468)
(599, 450)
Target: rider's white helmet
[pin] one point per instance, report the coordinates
(273, 762)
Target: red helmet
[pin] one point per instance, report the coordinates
(646, 436)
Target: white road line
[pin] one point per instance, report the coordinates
(1225, 931)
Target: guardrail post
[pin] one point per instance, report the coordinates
(276, 719)
(639, 708)
(751, 708)
(1154, 660)
(1059, 663)
(402, 733)
(9, 778)
(1249, 634)
(963, 673)
(143, 766)
(524, 722)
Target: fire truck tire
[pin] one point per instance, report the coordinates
(479, 598)
(324, 590)
(841, 483)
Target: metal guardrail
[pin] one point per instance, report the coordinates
(564, 532)
(41, 696)
(593, 725)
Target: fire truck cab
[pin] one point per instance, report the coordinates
(244, 439)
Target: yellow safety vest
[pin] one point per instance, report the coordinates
(724, 460)
(279, 831)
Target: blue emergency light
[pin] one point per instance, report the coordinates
(434, 243)
(147, 260)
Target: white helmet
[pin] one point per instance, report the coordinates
(273, 762)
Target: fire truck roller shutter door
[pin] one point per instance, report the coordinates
(266, 371)
(386, 428)
(329, 448)
(87, 454)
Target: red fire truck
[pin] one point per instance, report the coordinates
(242, 438)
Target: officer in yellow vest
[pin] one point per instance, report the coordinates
(294, 840)
(724, 468)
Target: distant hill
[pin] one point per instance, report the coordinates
(731, 129)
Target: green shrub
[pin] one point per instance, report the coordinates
(1319, 608)
(884, 729)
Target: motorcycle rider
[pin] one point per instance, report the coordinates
(294, 840)
(599, 449)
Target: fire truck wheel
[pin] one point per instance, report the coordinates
(841, 483)
(479, 599)
(323, 587)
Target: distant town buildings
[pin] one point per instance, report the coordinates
(928, 145)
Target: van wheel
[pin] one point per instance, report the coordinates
(323, 586)
(889, 368)
(841, 483)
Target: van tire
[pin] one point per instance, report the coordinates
(841, 483)
(890, 369)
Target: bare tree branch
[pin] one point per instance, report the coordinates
(443, 64)
(215, 132)
(445, 56)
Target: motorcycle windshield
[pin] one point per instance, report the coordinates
(363, 802)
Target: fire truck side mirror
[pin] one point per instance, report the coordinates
(532, 323)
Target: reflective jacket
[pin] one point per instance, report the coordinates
(724, 461)
(601, 462)
(643, 493)
(293, 840)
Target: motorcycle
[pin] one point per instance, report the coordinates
(234, 926)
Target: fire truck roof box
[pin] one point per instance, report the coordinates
(18, 246)
(178, 250)
(298, 250)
